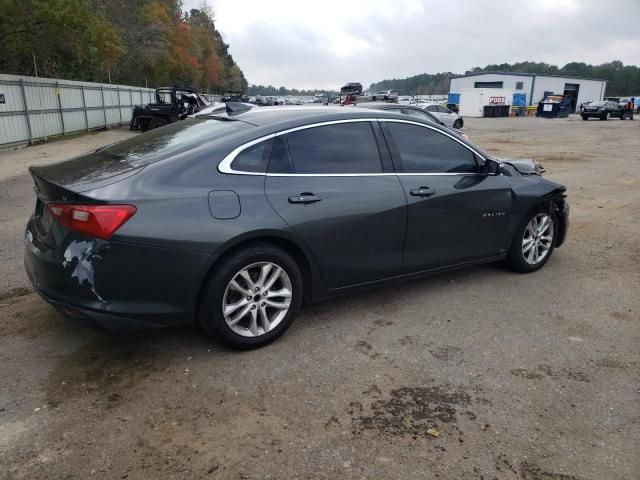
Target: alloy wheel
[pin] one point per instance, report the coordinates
(257, 299)
(537, 238)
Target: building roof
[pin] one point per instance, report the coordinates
(519, 74)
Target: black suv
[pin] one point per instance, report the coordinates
(172, 104)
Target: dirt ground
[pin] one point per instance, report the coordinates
(529, 377)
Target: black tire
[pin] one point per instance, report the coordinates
(515, 259)
(144, 125)
(457, 124)
(156, 122)
(210, 315)
(605, 116)
(584, 117)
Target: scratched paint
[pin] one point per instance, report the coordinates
(85, 253)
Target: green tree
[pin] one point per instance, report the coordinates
(69, 38)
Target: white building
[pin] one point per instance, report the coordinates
(535, 86)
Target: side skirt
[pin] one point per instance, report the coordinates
(406, 277)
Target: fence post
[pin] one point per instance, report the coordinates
(104, 107)
(119, 105)
(26, 111)
(57, 92)
(84, 108)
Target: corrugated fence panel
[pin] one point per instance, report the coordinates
(44, 125)
(96, 118)
(13, 129)
(74, 121)
(56, 107)
(13, 126)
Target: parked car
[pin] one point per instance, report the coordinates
(172, 104)
(419, 102)
(235, 222)
(412, 111)
(604, 110)
(450, 119)
(351, 88)
(387, 95)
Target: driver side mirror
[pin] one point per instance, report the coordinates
(491, 167)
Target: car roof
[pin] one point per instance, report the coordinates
(304, 114)
(270, 120)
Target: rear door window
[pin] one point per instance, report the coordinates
(423, 150)
(330, 149)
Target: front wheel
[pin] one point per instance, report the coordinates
(457, 124)
(533, 242)
(584, 117)
(252, 298)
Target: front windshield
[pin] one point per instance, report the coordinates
(163, 96)
(597, 104)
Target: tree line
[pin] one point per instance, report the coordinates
(621, 79)
(142, 43)
(270, 90)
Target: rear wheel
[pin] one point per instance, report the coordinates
(252, 298)
(156, 122)
(533, 242)
(144, 125)
(457, 124)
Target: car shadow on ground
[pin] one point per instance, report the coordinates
(335, 311)
(96, 359)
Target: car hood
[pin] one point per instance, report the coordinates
(525, 166)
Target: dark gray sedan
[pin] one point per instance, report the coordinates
(234, 221)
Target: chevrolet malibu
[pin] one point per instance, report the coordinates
(235, 220)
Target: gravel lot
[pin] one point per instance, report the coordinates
(523, 376)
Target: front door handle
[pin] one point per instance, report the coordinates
(422, 192)
(305, 198)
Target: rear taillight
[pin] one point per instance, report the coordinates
(99, 221)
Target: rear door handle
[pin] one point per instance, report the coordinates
(422, 192)
(305, 198)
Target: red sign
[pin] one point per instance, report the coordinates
(497, 100)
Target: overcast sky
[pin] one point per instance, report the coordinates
(324, 44)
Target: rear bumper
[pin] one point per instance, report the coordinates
(92, 318)
(116, 285)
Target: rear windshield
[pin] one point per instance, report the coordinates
(163, 142)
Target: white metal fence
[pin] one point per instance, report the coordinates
(34, 109)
